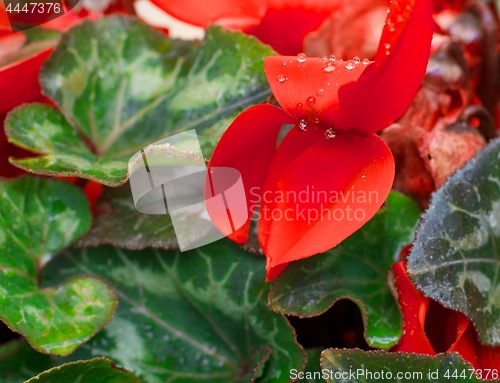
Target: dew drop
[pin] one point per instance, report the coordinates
(387, 45)
(302, 124)
(299, 106)
(281, 78)
(363, 176)
(329, 65)
(316, 120)
(320, 91)
(412, 332)
(332, 57)
(301, 57)
(366, 61)
(284, 63)
(330, 133)
(350, 65)
(356, 60)
(311, 101)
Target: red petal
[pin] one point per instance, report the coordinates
(299, 190)
(248, 145)
(230, 13)
(305, 89)
(414, 305)
(316, 5)
(386, 88)
(488, 357)
(465, 338)
(285, 29)
(19, 81)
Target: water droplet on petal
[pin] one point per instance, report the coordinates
(329, 65)
(302, 125)
(330, 133)
(310, 101)
(387, 45)
(363, 176)
(299, 106)
(356, 60)
(350, 65)
(332, 57)
(284, 62)
(366, 61)
(281, 78)
(301, 57)
(320, 91)
(316, 120)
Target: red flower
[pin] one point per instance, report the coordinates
(422, 335)
(283, 24)
(309, 184)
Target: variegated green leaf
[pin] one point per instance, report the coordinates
(118, 223)
(99, 370)
(197, 316)
(356, 366)
(456, 255)
(121, 85)
(357, 269)
(38, 219)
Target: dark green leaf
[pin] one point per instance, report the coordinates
(118, 223)
(456, 255)
(38, 219)
(346, 366)
(121, 85)
(18, 361)
(356, 269)
(312, 373)
(197, 316)
(97, 370)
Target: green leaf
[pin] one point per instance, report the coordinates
(456, 255)
(356, 366)
(197, 316)
(99, 370)
(38, 219)
(312, 373)
(356, 269)
(118, 223)
(121, 85)
(18, 361)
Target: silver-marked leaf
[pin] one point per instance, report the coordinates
(118, 223)
(357, 269)
(356, 366)
(455, 258)
(98, 370)
(197, 316)
(121, 85)
(38, 219)
(19, 361)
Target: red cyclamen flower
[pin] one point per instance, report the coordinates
(283, 24)
(341, 105)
